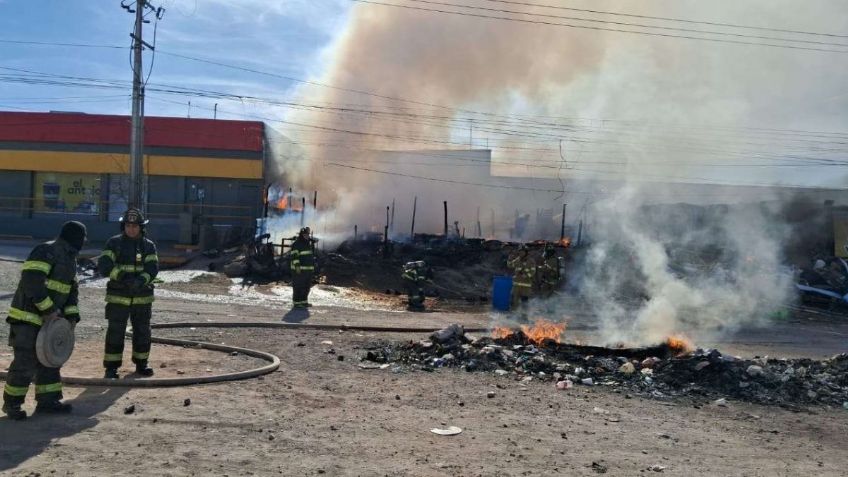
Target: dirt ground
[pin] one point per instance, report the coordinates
(322, 414)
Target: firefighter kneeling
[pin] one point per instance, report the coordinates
(415, 274)
(130, 261)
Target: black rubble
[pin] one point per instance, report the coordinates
(657, 372)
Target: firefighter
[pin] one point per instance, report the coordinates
(47, 291)
(547, 271)
(130, 261)
(414, 275)
(523, 276)
(302, 267)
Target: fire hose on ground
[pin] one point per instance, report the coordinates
(273, 361)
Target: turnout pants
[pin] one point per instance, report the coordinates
(414, 294)
(139, 316)
(25, 366)
(301, 285)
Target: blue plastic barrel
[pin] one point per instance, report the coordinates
(501, 292)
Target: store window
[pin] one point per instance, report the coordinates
(67, 193)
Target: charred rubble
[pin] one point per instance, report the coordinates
(659, 372)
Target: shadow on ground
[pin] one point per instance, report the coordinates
(296, 315)
(22, 440)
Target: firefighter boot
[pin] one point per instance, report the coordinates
(53, 407)
(111, 373)
(14, 412)
(143, 370)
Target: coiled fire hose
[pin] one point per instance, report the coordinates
(273, 361)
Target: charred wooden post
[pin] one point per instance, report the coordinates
(386, 235)
(579, 232)
(446, 219)
(562, 226)
(412, 229)
(392, 221)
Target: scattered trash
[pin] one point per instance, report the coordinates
(450, 431)
(658, 371)
(599, 468)
(657, 468)
(598, 410)
(491, 394)
(129, 409)
(720, 402)
(754, 370)
(627, 368)
(327, 342)
(564, 384)
(187, 402)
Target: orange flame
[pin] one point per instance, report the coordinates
(283, 203)
(679, 344)
(500, 332)
(540, 331)
(564, 242)
(544, 330)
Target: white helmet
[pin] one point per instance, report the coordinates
(819, 264)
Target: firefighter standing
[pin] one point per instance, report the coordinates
(47, 291)
(548, 271)
(302, 268)
(130, 261)
(523, 276)
(414, 275)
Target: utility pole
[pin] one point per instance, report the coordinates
(137, 132)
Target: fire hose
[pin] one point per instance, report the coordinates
(273, 361)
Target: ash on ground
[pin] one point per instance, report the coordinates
(659, 372)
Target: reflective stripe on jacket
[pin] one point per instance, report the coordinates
(48, 283)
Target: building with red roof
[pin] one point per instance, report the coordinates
(58, 166)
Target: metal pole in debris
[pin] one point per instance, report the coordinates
(446, 219)
(289, 202)
(302, 210)
(215, 112)
(412, 229)
(355, 232)
(479, 227)
(562, 227)
(493, 223)
(315, 200)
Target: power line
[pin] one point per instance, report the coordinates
(495, 186)
(587, 27)
(47, 43)
(639, 25)
(680, 20)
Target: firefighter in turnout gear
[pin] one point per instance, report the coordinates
(302, 267)
(523, 275)
(130, 261)
(47, 291)
(548, 271)
(414, 275)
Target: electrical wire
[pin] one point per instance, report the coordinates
(597, 28)
(679, 20)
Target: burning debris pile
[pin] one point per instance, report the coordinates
(667, 370)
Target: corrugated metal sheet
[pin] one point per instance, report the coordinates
(78, 128)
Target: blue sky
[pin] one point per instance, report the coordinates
(288, 38)
(465, 62)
